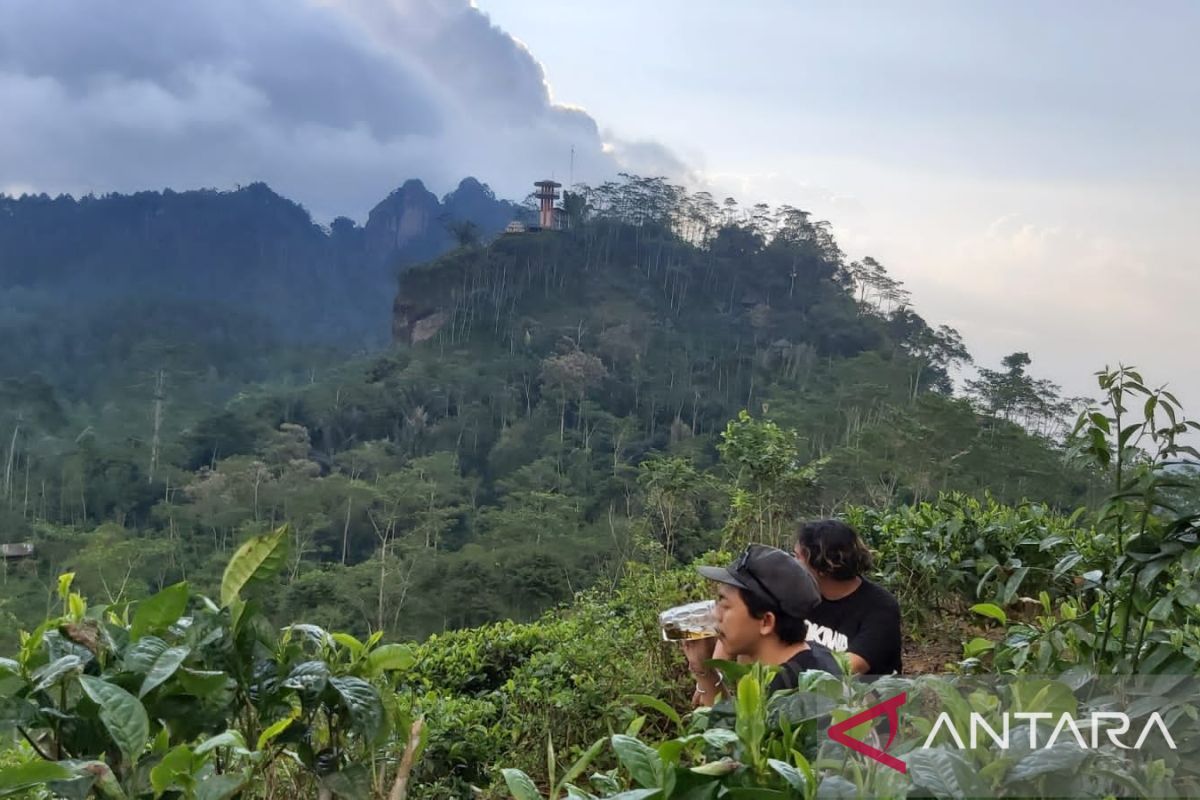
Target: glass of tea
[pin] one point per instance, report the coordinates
(690, 621)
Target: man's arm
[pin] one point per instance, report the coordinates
(877, 643)
(858, 664)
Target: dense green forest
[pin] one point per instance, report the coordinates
(550, 401)
(332, 566)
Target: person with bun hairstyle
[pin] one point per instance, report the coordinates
(856, 616)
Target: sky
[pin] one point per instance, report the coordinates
(1029, 170)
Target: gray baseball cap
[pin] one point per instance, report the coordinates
(773, 576)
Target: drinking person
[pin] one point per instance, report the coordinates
(763, 601)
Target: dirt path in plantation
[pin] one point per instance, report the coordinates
(938, 643)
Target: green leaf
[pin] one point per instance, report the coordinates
(123, 715)
(991, 610)
(390, 658)
(202, 683)
(751, 726)
(310, 677)
(258, 560)
(10, 666)
(720, 738)
(756, 793)
(977, 647)
(363, 702)
(164, 667)
(230, 738)
(64, 584)
(351, 783)
(143, 653)
(1161, 610)
(635, 794)
(274, 731)
(159, 612)
(639, 759)
(219, 787)
(35, 773)
(1061, 757)
(50, 674)
(176, 762)
(718, 768)
(658, 705)
(349, 642)
(581, 763)
(793, 776)
(835, 786)
(520, 785)
(945, 773)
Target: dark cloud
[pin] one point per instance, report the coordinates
(332, 102)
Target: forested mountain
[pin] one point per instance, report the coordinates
(211, 267)
(551, 405)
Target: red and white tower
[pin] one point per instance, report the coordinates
(546, 194)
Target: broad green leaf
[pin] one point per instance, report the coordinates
(351, 783)
(35, 773)
(670, 751)
(164, 667)
(751, 726)
(636, 794)
(835, 786)
(220, 787)
(122, 714)
(159, 612)
(51, 673)
(722, 767)
(639, 759)
(363, 702)
(202, 683)
(1161, 610)
(64, 584)
(309, 677)
(945, 773)
(794, 777)
(349, 642)
(977, 646)
(657, 705)
(177, 761)
(390, 658)
(991, 610)
(142, 654)
(257, 560)
(1061, 757)
(10, 666)
(720, 738)
(314, 633)
(275, 730)
(520, 785)
(230, 738)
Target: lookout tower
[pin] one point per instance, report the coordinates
(547, 193)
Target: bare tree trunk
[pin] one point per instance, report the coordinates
(346, 530)
(400, 787)
(12, 449)
(158, 408)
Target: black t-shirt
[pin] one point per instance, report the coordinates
(815, 657)
(865, 622)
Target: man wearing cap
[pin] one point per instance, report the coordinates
(763, 601)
